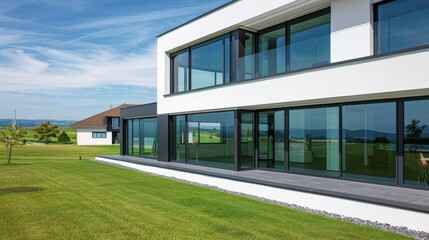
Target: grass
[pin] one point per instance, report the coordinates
(47, 193)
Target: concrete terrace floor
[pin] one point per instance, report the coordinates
(392, 196)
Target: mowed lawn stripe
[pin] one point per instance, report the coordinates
(58, 197)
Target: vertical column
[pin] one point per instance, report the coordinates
(164, 138)
(351, 29)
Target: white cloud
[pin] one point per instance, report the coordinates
(75, 69)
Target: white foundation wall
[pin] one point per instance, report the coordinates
(84, 137)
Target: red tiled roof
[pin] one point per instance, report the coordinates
(99, 120)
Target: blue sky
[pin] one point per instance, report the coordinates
(71, 59)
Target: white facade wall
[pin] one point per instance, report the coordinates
(394, 76)
(84, 137)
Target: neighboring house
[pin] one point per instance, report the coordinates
(332, 89)
(100, 129)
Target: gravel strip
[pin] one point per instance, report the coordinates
(379, 225)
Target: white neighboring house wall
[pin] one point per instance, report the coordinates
(84, 136)
(399, 75)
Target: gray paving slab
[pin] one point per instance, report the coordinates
(393, 196)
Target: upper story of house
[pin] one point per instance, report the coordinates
(252, 54)
(107, 120)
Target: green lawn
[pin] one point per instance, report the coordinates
(47, 193)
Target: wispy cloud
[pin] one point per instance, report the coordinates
(80, 53)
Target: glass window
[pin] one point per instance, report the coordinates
(310, 41)
(246, 62)
(217, 151)
(136, 137)
(99, 135)
(369, 137)
(271, 140)
(149, 141)
(179, 138)
(129, 137)
(416, 143)
(246, 140)
(209, 65)
(180, 64)
(313, 141)
(272, 52)
(401, 24)
(115, 123)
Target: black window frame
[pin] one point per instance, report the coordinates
(102, 134)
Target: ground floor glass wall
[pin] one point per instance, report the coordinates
(271, 140)
(378, 141)
(141, 139)
(314, 140)
(416, 143)
(369, 142)
(205, 139)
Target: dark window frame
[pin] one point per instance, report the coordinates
(101, 133)
(376, 33)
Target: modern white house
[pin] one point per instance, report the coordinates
(327, 88)
(100, 129)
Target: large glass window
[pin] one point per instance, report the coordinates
(211, 139)
(416, 143)
(246, 140)
(208, 139)
(141, 137)
(313, 141)
(129, 124)
(272, 51)
(180, 70)
(309, 40)
(208, 64)
(369, 137)
(179, 138)
(136, 137)
(148, 138)
(271, 140)
(401, 24)
(246, 62)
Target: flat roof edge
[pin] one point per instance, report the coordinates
(198, 17)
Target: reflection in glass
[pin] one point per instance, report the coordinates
(136, 137)
(209, 65)
(416, 143)
(246, 63)
(272, 52)
(310, 42)
(149, 141)
(369, 136)
(181, 72)
(313, 141)
(402, 24)
(246, 140)
(179, 138)
(271, 140)
(129, 137)
(211, 139)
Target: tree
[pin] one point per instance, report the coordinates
(414, 133)
(63, 138)
(11, 137)
(45, 131)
